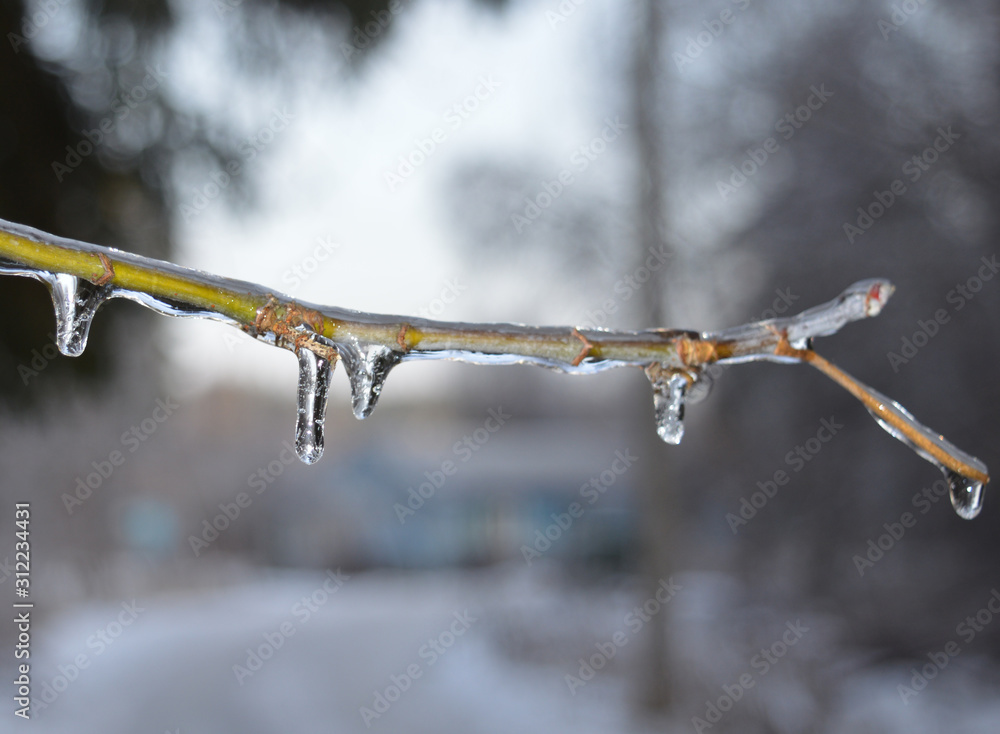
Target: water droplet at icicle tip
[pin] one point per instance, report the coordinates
(315, 374)
(668, 402)
(966, 494)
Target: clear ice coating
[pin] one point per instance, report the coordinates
(367, 365)
(315, 373)
(756, 341)
(866, 298)
(669, 389)
(966, 492)
(861, 300)
(75, 302)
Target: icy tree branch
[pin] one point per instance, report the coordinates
(82, 276)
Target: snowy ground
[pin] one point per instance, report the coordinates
(504, 642)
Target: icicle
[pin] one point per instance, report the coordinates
(367, 367)
(669, 389)
(368, 364)
(966, 491)
(314, 384)
(75, 301)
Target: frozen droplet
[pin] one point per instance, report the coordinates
(966, 494)
(966, 491)
(669, 389)
(75, 302)
(676, 381)
(367, 367)
(700, 387)
(314, 387)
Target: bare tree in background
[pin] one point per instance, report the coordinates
(656, 496)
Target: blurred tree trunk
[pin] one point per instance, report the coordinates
(105, 387)
(656, 498)
(41, 125)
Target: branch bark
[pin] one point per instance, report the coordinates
(82, 276)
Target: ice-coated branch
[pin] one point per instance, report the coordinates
(82, 276)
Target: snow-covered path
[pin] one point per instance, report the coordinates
(337, 651)
(483, 652)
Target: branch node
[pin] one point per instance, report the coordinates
(784, 348)
(585, 349)
(287, 331)
(696, 352)
(401, 338)
(266, 319)
(109, 270)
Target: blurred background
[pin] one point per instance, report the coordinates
(788, 568)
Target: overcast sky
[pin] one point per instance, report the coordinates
(527, 87)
